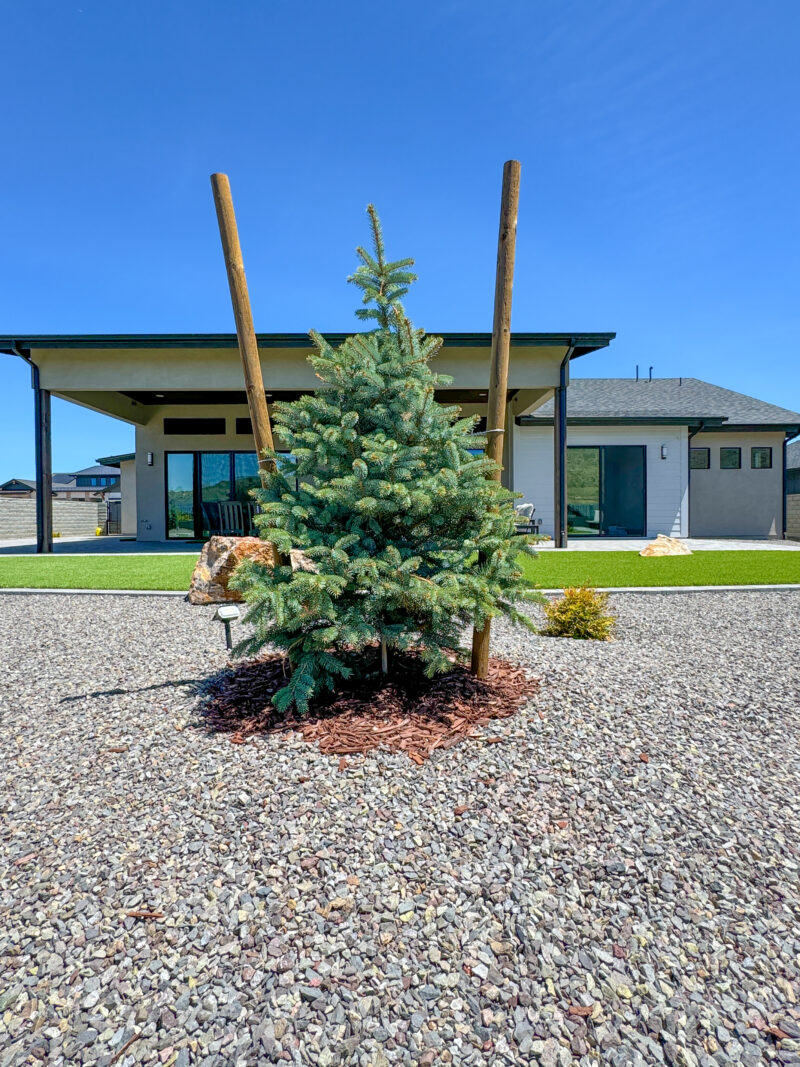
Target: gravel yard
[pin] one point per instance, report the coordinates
(615, 883)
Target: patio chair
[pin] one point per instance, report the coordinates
(250, 511)
(231, 519)
(526, 524)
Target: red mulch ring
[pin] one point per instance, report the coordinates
(409, 712)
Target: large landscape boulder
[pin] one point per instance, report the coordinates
(666, 546)
(218, 560)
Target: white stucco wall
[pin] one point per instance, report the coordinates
(737, 503)
(127, 488)
(666, 479)
(151, 518)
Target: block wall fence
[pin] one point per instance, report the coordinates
(793, 516)
(70, 517)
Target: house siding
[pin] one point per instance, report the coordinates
(737, 503)
(666, 484)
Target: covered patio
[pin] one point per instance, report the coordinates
(195, 459)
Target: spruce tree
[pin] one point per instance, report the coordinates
(386, 495)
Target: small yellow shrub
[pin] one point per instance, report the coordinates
(580, 613)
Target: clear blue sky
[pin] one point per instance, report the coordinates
(659, 149)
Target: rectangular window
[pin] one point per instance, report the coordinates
(730, 459)
(760, 458)
(699, 459)
(194, 426)
(244, 426)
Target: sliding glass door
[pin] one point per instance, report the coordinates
(209, 493)
(606, 491)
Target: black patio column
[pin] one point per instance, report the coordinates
(44, 467)
(560, 467)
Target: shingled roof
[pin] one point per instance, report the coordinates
(687, 400)
(793, 456)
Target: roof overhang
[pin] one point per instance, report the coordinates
(114, 461)
(581, 343)
(134, 377)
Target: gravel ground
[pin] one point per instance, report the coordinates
(621, 886)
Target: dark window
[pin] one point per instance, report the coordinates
(699, 459)
(730, 459)
(244, 426)
(760, 458)
(194, 426)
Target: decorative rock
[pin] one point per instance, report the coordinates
(676, 886)
(666, 546)
(218, 560)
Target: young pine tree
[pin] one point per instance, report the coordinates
(384, 493)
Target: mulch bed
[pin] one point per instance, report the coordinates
(409, 712)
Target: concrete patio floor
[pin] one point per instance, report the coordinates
(111, 546)
(99, 546)
(696, 544)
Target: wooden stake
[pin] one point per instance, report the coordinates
(501, 346)
(248, 346)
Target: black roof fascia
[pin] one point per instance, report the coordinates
(114, 461)
(755, 427)
(715, 421)
(582, 342)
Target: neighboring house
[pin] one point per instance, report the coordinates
(677, 456)
(90, 483)
(669, 455)
(793, 490)
(18, 487)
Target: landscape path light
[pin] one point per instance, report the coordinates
(226, 614)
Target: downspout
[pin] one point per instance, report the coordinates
(560, 538)
(44, 512)
(692, 434)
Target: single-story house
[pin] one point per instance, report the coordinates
(619, 458)
(665, 455)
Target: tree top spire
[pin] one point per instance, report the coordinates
(382, 283)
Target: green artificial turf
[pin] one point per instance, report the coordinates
(550, 570)
(553, 569)
(97, 572)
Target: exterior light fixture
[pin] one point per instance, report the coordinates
(149, 459)
(226, 614)
(663, 451)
